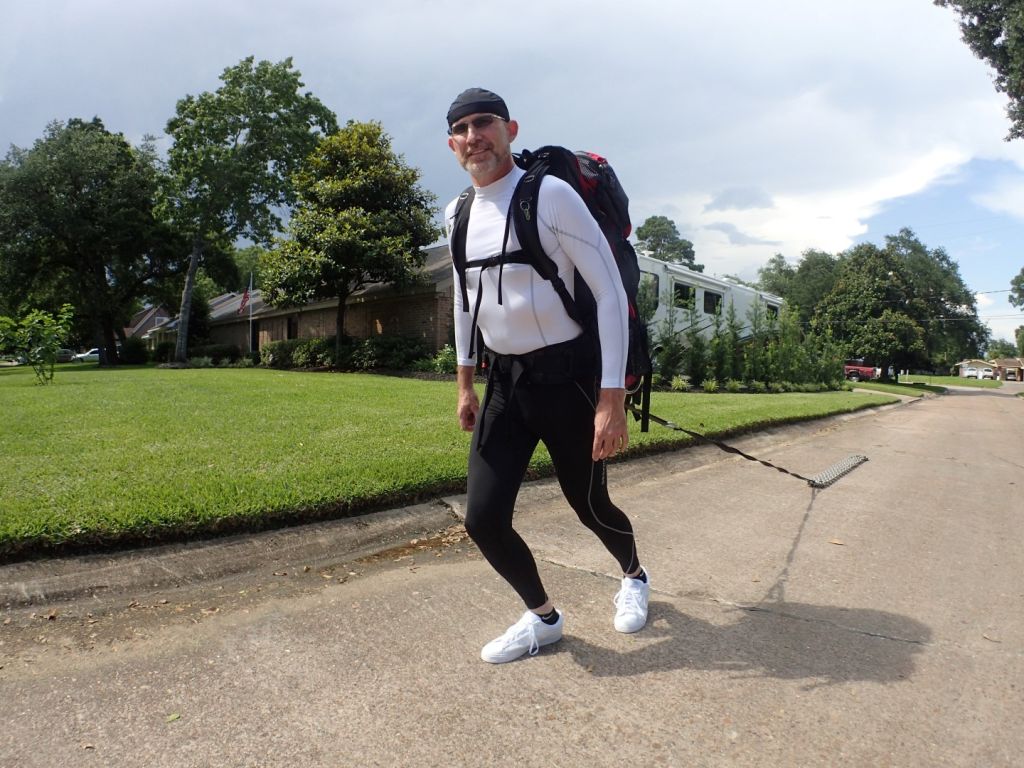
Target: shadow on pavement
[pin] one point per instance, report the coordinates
(791, 641)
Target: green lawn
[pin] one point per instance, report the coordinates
(914, 390)
(130, 455)
(950, 381)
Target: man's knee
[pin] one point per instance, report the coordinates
(481, 526)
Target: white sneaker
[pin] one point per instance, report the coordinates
(631, 604)
(525, 636)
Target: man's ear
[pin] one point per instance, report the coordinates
(451, 143)
(512, 128)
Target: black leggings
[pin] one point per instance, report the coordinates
(514, 417)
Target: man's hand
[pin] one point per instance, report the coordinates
(469, 404)
(610, 432)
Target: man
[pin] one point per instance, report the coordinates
(544, 382)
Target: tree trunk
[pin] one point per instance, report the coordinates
(181, 347)
(108, 349)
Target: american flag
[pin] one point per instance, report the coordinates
(245, 298)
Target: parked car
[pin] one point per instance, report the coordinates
(1011, 375)
(856, 370)
(986, 373)
(91, 356)
(971, 373)
(65, 355)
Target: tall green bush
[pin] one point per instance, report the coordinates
(36, 337)
(697, 348)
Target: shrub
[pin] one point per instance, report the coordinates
(133, 351)
(218, 353)
(391, 352)
(314, 353)
(446, 360)
(733, 386)
(278, 354)
(710, 385)
(163, 352)
(757, 387)
(200, 362)
(679, 384)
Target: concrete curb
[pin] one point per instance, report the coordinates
(318, 544)
(35, 582)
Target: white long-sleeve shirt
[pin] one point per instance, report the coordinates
(531, 314)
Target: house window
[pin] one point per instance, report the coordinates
(650, 284)
(771, 310)
(682, 295)
(712, 302)
(293, 327)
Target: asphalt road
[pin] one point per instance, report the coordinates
(877, 622)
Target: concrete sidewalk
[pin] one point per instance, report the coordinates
(876, 622)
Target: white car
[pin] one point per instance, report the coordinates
(971, 373)
(986, 373)
(92, 356)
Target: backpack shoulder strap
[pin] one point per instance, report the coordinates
(460, 225)
(524, 218)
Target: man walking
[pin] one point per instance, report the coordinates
(548, 380)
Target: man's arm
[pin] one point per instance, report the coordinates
(469, 404)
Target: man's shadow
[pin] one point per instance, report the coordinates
(790, 641)
(774, 638)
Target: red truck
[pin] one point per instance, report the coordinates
(855, 370)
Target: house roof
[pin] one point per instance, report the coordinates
(142, 317)
(226, 308)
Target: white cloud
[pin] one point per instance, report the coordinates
(1005, 196)
(758, 127)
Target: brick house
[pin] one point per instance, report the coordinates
(423, 311)
(1009, 368)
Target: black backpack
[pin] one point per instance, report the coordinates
(596, 183)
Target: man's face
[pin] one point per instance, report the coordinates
(482, 144)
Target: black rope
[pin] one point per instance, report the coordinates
(725, 447)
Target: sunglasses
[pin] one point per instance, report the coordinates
(478, 123)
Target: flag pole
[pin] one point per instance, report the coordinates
(250, 314)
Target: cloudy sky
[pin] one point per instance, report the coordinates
(759, 128)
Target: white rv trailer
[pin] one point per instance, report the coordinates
(681, 286)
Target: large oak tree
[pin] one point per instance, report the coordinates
(77, 225)
(234, 152)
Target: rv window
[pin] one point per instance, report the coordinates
(682, 295)
(650, 283)
(712, 302)
(771, 310)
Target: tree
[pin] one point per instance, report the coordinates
(247, 263)
(802, 287)
(814, 279)
(233, 155)
(776, 276)
(1001, 348)
(77, 225)
(1017, 290)
(866, 308)
(1019, 335)
(361, 218)
(939, 300)
(994, 31)
(659, 239)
